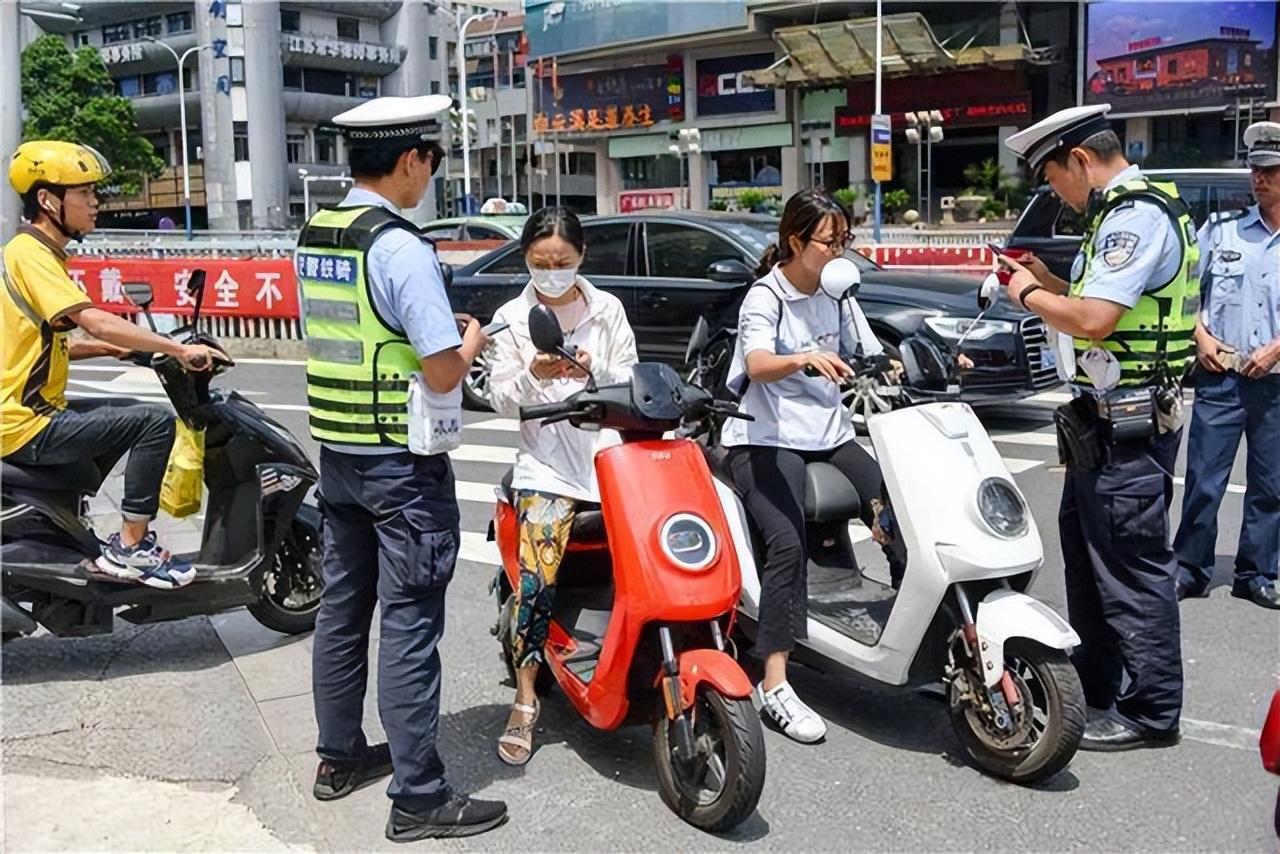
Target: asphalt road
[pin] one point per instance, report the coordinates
(215, 714)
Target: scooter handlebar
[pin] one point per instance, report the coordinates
(536, 411)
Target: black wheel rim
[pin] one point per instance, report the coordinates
(703, 780)
(293, 583)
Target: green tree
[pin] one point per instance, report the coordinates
(70, 96)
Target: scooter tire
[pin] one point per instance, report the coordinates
(1065, 714)
(305, 537)
(744, 764)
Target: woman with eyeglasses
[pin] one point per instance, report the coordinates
(788, 368)
(554, 475)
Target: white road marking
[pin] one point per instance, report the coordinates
(477, 549)
(483, 454)
(507, 425)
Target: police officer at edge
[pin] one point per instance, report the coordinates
(1125, 333)
(1238, 386)
(375, 312)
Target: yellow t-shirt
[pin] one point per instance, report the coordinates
(36, 298)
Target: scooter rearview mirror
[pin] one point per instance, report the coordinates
(840, 278)
(141, 295)
(989, 291)
(544, 330)
(195, 289)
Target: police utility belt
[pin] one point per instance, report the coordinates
(1091, 427)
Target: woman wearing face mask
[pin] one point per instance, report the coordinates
(554, 473)
(789, 328)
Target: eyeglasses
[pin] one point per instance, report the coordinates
(835, 244)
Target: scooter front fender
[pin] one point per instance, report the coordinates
(1006, 614)
(715, 668)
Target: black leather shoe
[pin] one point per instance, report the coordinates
(1191, 590)
(1105, 733)
(458, 816)
(339, 778)
(1262, 594)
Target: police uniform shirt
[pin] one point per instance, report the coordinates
(408, 290)
(1240, 280)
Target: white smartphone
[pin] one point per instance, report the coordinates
(493, 329)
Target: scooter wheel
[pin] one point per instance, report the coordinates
(1045, 732)
(292, 582)
(719, 787)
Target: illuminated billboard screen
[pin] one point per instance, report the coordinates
(1146, 57)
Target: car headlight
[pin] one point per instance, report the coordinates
(1001, 508)
(688, 541)
(970, 329)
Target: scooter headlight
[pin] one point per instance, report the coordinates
(1001, 508)
(688, 541)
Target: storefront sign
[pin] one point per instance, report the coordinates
(314, 46)
(1014, 111)
(624, 99)
(723, 87)
(630, 201)
(119, 53)
(258, 287)
(558, 27)
(881, 148)
(1149, 57)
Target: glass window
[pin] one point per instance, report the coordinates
(240, 139)
(509, 264)
(433, 47)
(682, 252)
(179, 22)
(153, 27)
(116, 33)
(290, 21)
(1230, 196)
(160, 83)
(237, 69)
(292, 77)
(129, 87)
(435, 87)
(294, 147)
(326, 147)
(606, 249)
(431, 7)
(484, 232)
(323, 81)
(1069, 223)
(349, 29)
(80, 39)
(650, 173)
(443, 232)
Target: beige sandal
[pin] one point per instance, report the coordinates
(519, 736)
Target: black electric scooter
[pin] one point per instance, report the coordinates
(261, 545)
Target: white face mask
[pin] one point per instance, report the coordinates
(553, 283)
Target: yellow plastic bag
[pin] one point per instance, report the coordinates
(183, 486)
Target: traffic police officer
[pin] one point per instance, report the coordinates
(1238, 385)
(1125, 327)
(375, 313)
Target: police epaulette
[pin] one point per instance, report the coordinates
(1227, 216)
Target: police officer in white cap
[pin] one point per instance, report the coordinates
(1238, 386)
(1125, 324)
(380, 337)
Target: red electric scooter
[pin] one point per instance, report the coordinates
(646, 592)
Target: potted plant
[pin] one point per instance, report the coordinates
(895, 201)
(854, 198)
(751, 198)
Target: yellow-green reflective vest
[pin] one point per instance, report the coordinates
(358, 364)
(1161, 326)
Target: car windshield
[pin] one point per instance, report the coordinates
(759, 235)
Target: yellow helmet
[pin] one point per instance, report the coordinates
(62, 164)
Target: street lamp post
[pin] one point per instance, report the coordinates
(462, 98)
(924, 128)
(182, 120)
(688, 141)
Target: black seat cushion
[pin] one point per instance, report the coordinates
(828, 494)
(588, 522)
(80, 476)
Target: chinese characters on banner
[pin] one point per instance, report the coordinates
(259, 287)
(605, 101)
(320, 46)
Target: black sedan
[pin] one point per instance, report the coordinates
(670, 268)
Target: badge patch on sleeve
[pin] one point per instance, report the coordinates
(1118, 248)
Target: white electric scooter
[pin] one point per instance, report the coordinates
(972, 549)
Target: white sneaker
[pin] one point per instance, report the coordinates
(796, 720)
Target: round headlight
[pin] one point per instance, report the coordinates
(688, 541)
(1002, 508)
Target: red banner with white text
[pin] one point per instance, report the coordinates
(239, 287)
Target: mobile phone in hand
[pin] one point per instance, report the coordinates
(494, 328)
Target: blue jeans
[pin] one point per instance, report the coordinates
(390, 540)
(1227, 406)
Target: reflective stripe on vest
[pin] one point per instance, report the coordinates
(1154, 341)
(358, 365)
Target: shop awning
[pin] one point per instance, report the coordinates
(840, 52)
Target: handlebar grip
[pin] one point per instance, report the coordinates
(542, 410)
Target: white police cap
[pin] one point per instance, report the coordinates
(1063, 130)
(393, 120)
(1263, 141)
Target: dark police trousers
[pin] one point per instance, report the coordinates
(1120, 578)
(390, 539)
